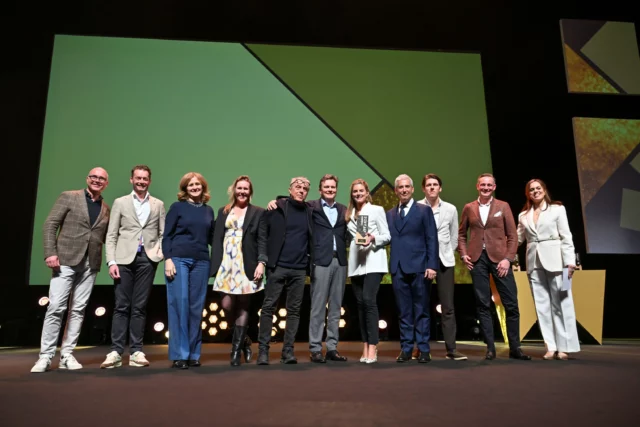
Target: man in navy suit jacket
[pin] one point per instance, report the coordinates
(414, 262)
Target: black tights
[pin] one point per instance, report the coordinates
(237, 308)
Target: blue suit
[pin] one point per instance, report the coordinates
(414, 249)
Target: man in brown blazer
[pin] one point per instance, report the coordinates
(490, 250)
(74, 233)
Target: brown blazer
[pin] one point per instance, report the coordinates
(499, 234)
(69, 219)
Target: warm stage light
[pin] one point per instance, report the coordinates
(213, 319)
(166, 334)
(203, 325)
(493, 299)
(282, 312)
(100, 311)
(342, 311)
(259, 312)
(158, 327)
(342, 323)
(382, 324)
(213, 306)
(439, 308)
(213, 331)
(223, 325)
(204, 312)
(275, 318)
(43, 301)
(274, 331)
(221, 313)
(282, 324)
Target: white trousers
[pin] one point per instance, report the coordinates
(556, 314)
(71, 287)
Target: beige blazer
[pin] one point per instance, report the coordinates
(447, 232)
(125, 229)
(550, 239)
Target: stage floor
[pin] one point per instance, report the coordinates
(600, 387)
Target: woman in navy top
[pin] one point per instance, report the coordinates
(187, 235)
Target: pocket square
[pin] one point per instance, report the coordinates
(498, 213)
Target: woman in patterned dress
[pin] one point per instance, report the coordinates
(238, 257)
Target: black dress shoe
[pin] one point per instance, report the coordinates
(263, 356)
(288, 358)
(316, 357)
(490, 355)
(518, 354)
(424, 357)
(194, 363)
(335, 356)
(403, 357)
(180, 364)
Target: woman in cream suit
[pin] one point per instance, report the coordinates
(367, 263)
(543, 223)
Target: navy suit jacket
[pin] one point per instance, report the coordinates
(414, 240)
(323, 234)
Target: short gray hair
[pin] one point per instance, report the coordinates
(401, 177)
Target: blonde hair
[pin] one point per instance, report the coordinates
(183, 195)
(231, 191)
(352, 204)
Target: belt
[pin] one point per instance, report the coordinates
(545, 240)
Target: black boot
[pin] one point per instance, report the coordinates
(239, 333)
(248, 353)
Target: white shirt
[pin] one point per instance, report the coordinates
(406, 208)
(143, 210)
(484, 210)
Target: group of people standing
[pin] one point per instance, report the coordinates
(248, 249)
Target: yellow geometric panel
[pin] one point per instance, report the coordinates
(583, 78)
(600, 150)
(528, 316)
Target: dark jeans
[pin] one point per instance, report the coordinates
(132, 293)
(445, 283)
(365, 289)
(508, 291)
(280, 278)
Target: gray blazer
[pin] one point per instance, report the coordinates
(447, 232)
(76, 237)
(125, 230)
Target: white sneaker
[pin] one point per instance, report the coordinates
(138, 360)
(42, 365)
(69, 362)
(113, 360)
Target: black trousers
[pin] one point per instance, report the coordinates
(445, 283)
(278, 279)
(132, 293)
(365, 289)
(508, 291)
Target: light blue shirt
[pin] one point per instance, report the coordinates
(332, 213)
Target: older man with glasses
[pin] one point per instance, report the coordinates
(74, 233)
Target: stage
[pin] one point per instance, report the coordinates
(600, 386)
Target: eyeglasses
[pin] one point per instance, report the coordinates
(97, 178)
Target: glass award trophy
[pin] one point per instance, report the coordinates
(362, 228)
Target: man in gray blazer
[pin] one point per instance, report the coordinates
(73, 233)
(446, 217)
(134, 249)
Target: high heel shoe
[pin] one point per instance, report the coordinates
(374, 360)
(551, 356)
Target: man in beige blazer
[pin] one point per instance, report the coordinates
(134, 242)
(73, 235)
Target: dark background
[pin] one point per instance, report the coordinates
(528, 107)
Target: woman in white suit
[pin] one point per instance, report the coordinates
(543, 224)
(367, 263)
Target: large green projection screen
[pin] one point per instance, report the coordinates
(271, 112)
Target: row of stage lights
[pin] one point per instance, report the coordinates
(213, 321)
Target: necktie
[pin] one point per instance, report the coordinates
(402, 210)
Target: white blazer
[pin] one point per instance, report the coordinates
(373, 258)
(447, 232)
(550, 239)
